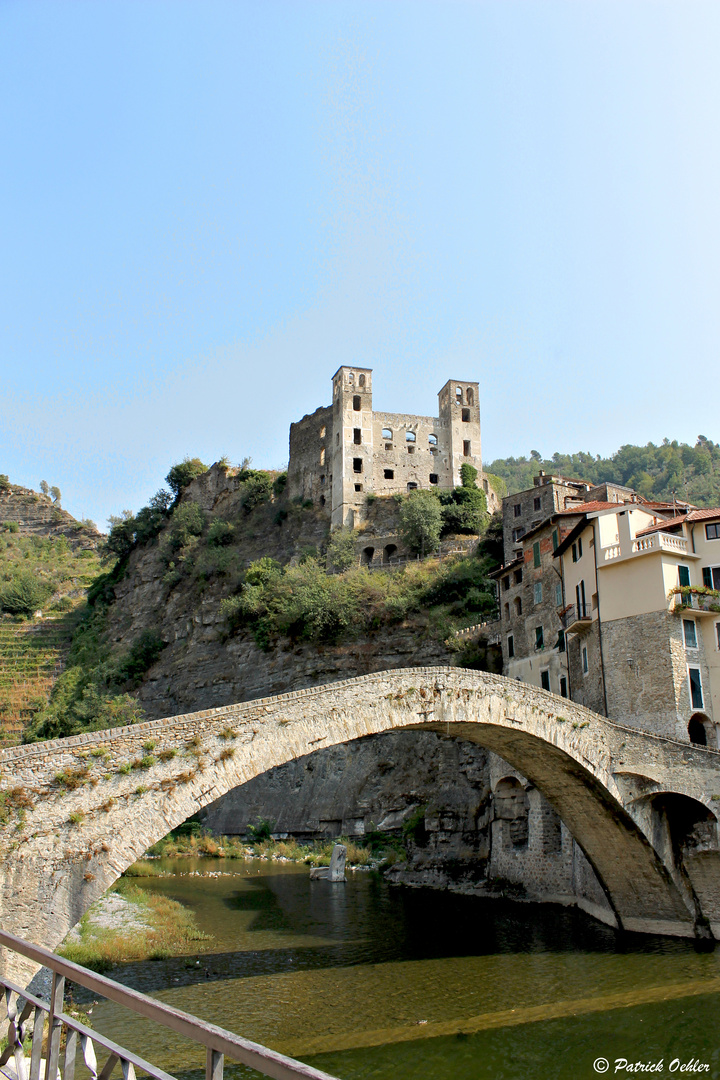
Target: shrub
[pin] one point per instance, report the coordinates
(420, 521)
(257, 488)
(187, 521)
(464, 509)
(10, 526)
(24, 593)
(341, 549)
(220, 533)
(143, 653)
(261, 830)
(184, 473)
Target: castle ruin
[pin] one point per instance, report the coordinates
(344, 452)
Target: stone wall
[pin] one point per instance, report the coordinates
(647, 682)
(310, 466)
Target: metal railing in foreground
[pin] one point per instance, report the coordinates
(30, 1018)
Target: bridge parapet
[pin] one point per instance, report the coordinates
(78, 811)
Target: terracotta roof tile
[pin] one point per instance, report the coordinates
(662, 526)
(704, 515)
(589, 507)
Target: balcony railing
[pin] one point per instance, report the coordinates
(29, 1019)
(701, 602)
(576, 617)
(642, 545)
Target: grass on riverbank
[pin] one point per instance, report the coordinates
(377, 849)
(161, 928)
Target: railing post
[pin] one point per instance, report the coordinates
(213, 1065)
(55, 1025)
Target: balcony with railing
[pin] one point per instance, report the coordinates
(576, 618)
(696, 600)
(646, 545)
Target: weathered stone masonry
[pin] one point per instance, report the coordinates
(83, 809)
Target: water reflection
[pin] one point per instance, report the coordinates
(373, 981)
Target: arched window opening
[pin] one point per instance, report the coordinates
(356, 403)
(351, 377)
(389, 552)
(432, 439)
(458, 394)
(322, 432)
(361, 380)
(511, 807)
(696, 731)
(387, 434)
(410, 436)
(470, 396)
(322, 456)
(368, 555)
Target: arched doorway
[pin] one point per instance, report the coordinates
(697, 732)
(368, 555)
(389, 553)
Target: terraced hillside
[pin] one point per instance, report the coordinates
(44, 576)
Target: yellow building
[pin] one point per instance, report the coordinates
(641, 614)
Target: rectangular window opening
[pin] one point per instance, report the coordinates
(466, 416)
(537, 592)
(539, 637)
(466, 448)
(690, 634)
(518, 577)
(433, 478)
(357, 464)
(356, 403)
(357, 436)
(517, 509)
(712, 532)
(585, 665)
(511, 645)
(545, 679)
(536, 553)
(563, 686)
(696, 694)
(388, 474)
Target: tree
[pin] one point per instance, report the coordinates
(421, 521)
(341, 549)
(44, 487)
(465, 507)
(56, 495)
(183, 474)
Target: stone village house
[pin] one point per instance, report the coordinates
(591, 607)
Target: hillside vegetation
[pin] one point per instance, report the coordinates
(230, 543)
(660, 472)
(38, 574)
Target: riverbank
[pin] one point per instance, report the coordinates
(129, 923)
(380, 851)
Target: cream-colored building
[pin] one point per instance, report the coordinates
(641, 616)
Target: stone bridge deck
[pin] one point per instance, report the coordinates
(77, 812)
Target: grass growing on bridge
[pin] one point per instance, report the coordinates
(153, 927)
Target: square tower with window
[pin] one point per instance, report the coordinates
(352, 452)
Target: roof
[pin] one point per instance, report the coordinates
(663, 526)
(589, 507)
(503, 569)
(704, 515)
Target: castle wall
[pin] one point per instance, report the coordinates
(367, 452)
(310, 465)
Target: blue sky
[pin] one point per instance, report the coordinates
(208, 207)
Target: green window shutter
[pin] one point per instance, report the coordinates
(707, 576)
(684, 575)
(536, 553)
(555, 539)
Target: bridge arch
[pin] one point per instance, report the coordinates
(85, 808)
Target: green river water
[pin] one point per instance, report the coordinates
(366, 981)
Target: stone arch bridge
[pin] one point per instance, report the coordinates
(77, 812)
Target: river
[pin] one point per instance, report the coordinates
(367, 980)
